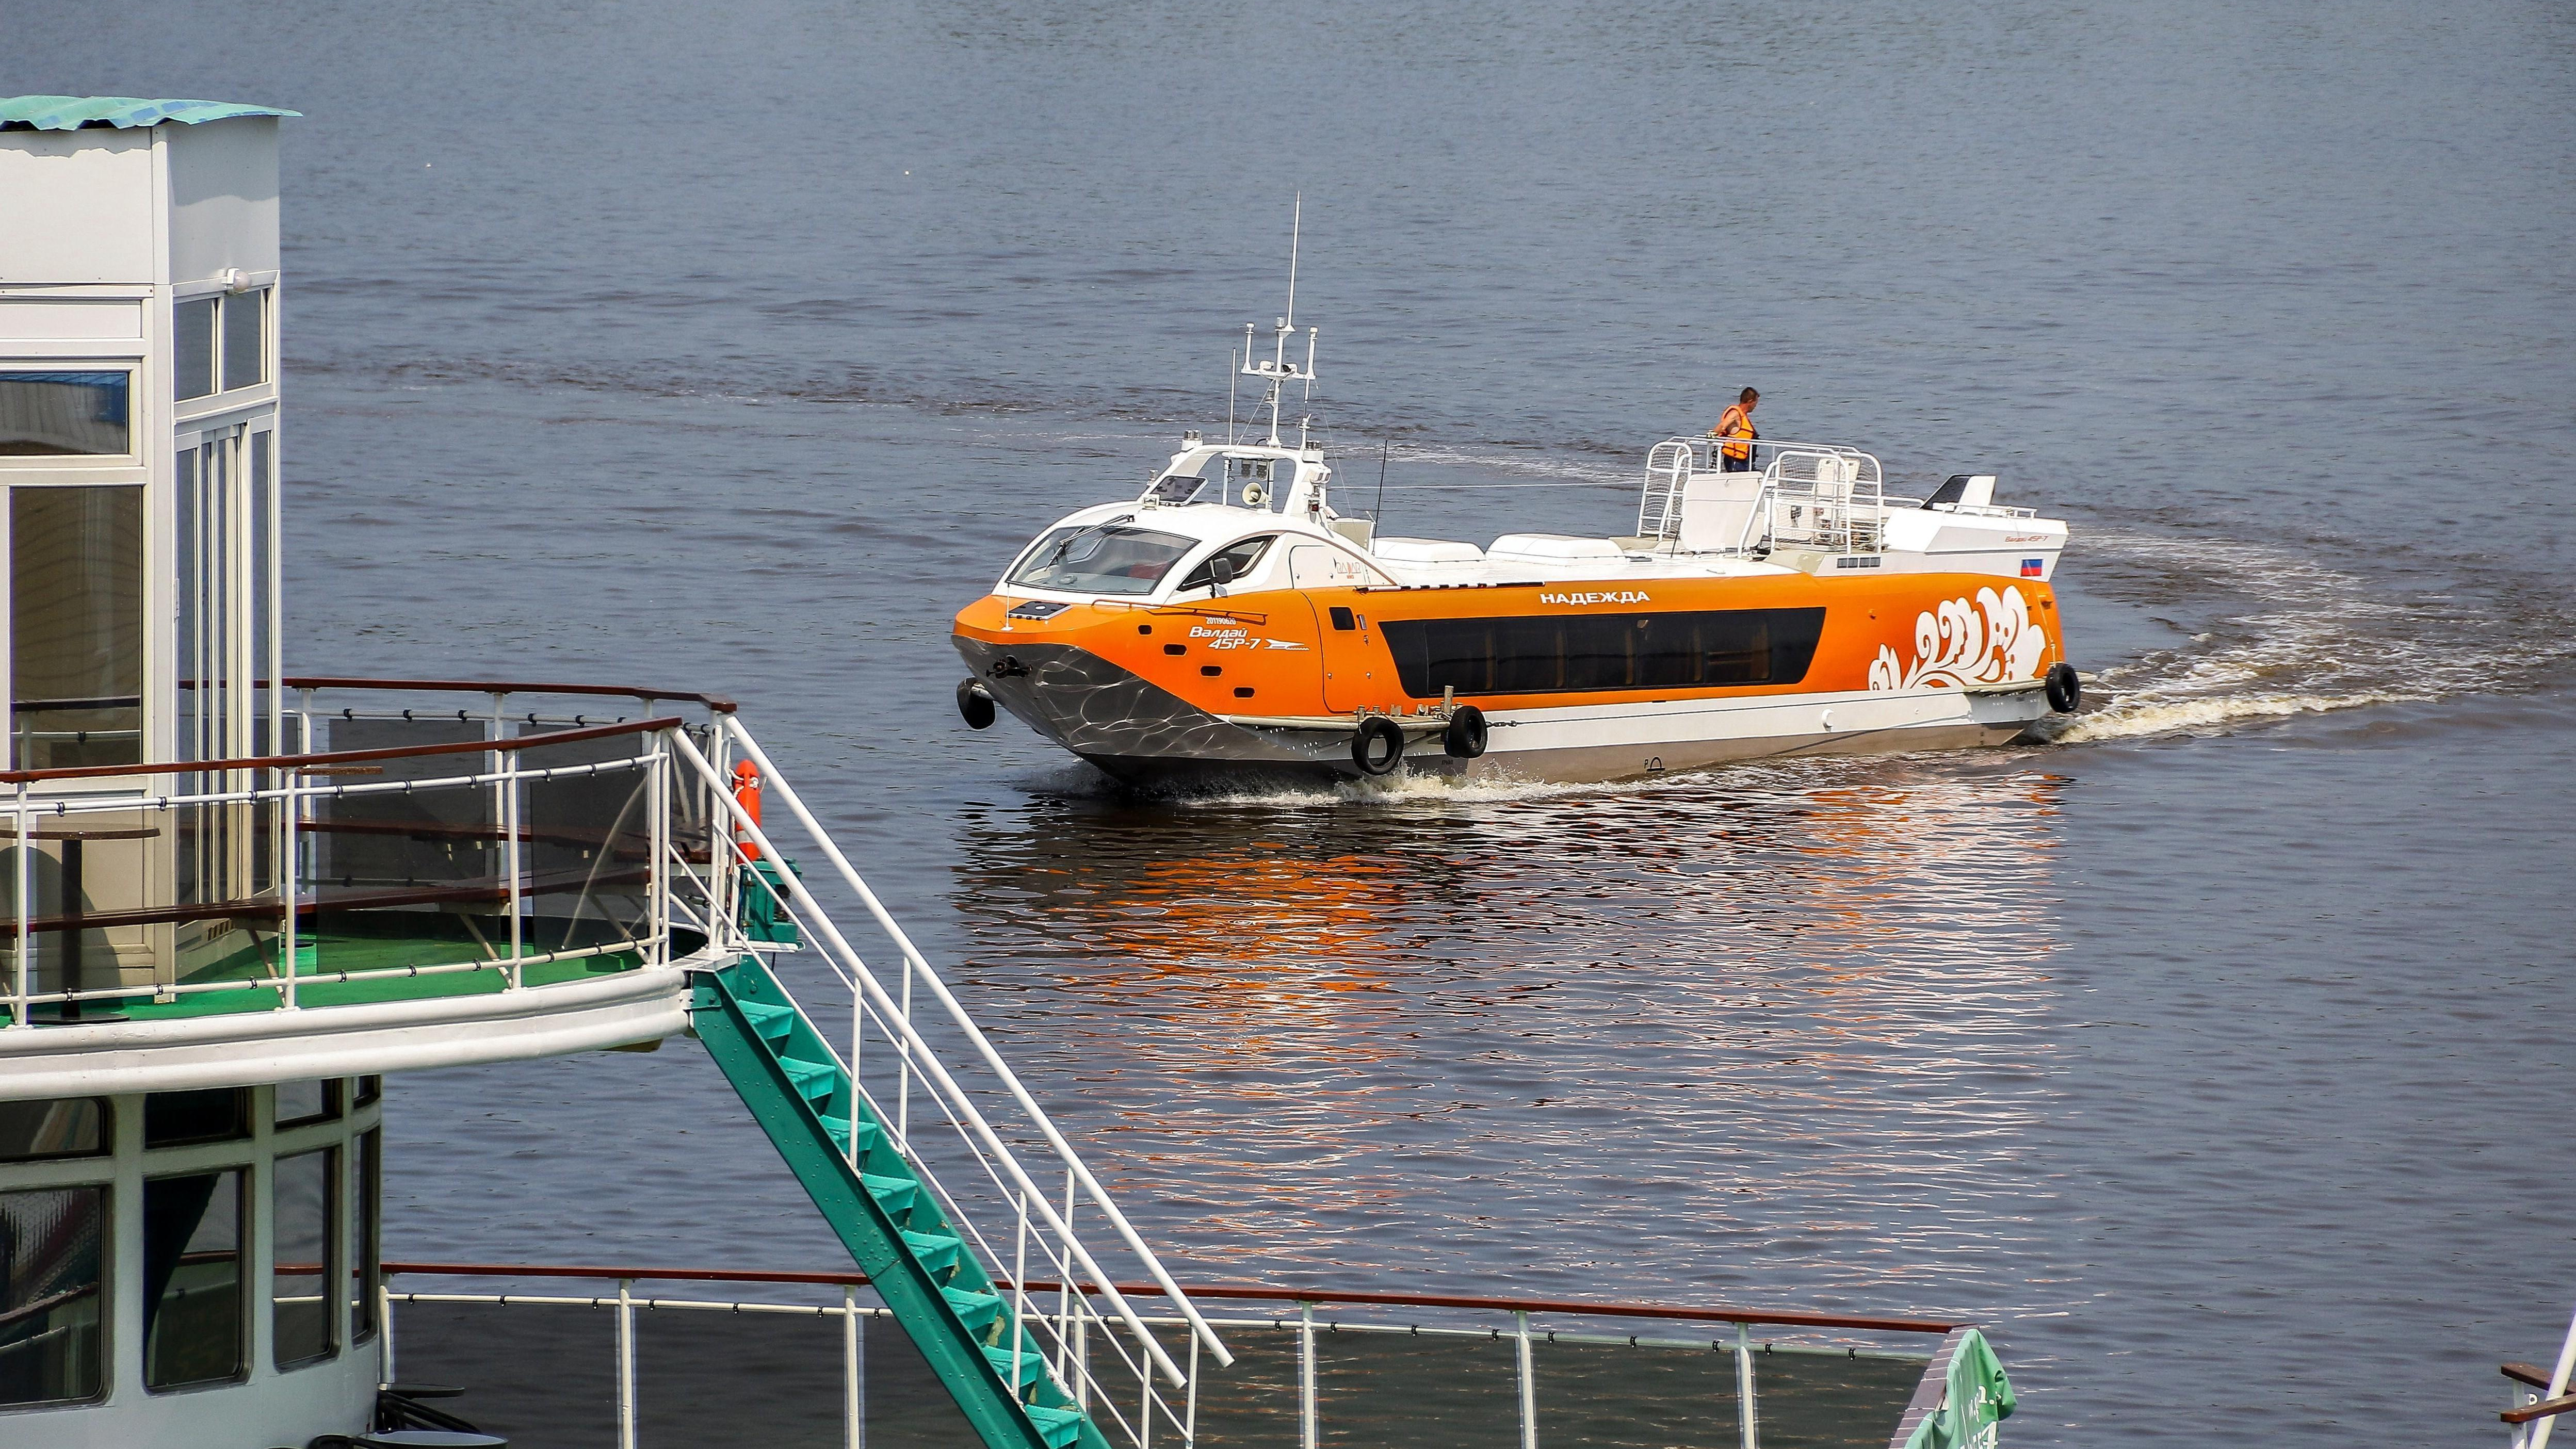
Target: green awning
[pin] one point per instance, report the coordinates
(73, 113)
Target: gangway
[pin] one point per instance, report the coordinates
(1028, 1370)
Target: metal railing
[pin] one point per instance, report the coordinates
(1532, 1327)
(1823, 496)
(568, 842)
(913, 1082)
(217, 844)
(2540, 1396)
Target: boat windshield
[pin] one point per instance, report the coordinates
(1107, 559)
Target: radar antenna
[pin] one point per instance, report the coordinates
(1278, 370)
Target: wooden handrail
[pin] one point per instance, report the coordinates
(1237, 1291)
(2528, 1373)
(343, 757)
(715, 702)
(2545, 1409)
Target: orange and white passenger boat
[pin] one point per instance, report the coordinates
(1229, 620)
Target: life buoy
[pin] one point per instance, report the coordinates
(746, 793)
(1378, 747)
(975, 705)
(1465, 737)
(2065, 688)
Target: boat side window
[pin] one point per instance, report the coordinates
(1038, 550)
(1243, 555)
(1175, 489)
(1549, 653)
(1104, 559)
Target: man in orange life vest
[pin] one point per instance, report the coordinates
(1735, 431)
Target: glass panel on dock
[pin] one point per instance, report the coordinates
(302, 1102)
(76, 626)
(52, 1271)
(66, 414)
(245, 339)
(586, 851)
(305, 1235)
(176, 1119)
(404, 878)
(64, 1127)
(192, 348)
(367, 1265)
(192, 1279)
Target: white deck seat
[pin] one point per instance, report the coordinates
(1419, 552)
(1555, 549)
(1717, 511)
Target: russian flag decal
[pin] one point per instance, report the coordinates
(2031, 568)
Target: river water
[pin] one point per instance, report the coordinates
(2215, 1053)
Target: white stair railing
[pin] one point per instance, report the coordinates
(1038, 1188)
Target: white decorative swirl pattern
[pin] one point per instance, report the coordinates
(1956, 644)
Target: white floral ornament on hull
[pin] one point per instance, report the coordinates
(1955, 644)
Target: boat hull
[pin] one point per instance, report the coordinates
(1275, 684)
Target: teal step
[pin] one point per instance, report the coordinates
(897, 1195)
(940, 1254)
(772, 1022)
(1031, 1366)
(983, 1313)
(1059, 1428)
(815, 1080)
(939, 1293)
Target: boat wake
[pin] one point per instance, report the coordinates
(2318, 639)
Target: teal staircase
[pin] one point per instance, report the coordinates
(884, 1211)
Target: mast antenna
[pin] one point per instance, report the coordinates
(1296, 224)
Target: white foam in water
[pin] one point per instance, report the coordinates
(2327, 646)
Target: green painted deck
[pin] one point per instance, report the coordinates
(339, 951)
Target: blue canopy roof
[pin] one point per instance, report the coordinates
(71, 113)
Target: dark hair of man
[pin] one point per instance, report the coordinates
(1749, 396)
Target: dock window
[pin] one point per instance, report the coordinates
(1567, 653)
(305, 1233)
(192, 1279)
(366, 1275)
(192, 348)
(75, 626)
(176, 1119)
(245, 318)
(64, 1127)
(66, 414)
(52, 1267)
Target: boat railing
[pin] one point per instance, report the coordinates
(1823, 496)
(1314, 1358)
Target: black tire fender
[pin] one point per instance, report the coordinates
(2065, 688)
(1465, 737)
(1378, 746)
(975, 705)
